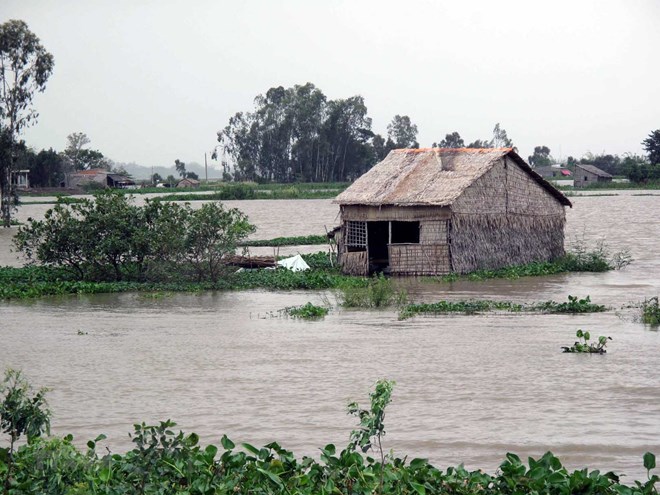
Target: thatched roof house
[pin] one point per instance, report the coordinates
(442, 210)
(588, 174)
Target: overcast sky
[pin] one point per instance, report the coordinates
(153, 81)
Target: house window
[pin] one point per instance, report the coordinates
(356, 234)
(405, 232)
(586, 178)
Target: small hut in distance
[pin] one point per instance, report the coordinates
(588, 174)
(442, 210)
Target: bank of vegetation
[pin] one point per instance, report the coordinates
(109, 244)
(166, 461)
(574, 305)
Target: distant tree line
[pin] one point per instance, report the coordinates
(298, 134)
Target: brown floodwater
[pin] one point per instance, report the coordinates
(469, 388)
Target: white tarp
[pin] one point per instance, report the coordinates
(295, 263)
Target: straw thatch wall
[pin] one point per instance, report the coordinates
(505, 218)
(419, 259)
(355, 263)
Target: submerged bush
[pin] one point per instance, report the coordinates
(651, 311)
(109, 238)
(307, 311)
(377, 293)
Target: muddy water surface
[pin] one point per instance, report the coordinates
(469, 388)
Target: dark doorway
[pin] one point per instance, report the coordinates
(378, 237)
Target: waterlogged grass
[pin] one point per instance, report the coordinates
(376, 292)
(308, 240)
(578, 260)
(307, 311)
(572, 306)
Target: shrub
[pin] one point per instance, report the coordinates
(377, 293)
(110, 238)
(651, 311)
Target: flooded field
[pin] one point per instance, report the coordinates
(469, 388)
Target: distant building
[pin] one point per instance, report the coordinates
(21, 179)
(588, 174)
(99, 176)
(552, 171)
(194, 183)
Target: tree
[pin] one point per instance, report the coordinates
(77, 157)
(652, 146)
(500, 139)
(180, 168)
(46, 169)
(453, 140)
(112, 238)
(480, 143)
(25, 66)
(402, 132)
(541, 157)
(156, 178)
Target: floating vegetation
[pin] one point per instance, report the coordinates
(572, 306)
(585, 347)
(307, 311)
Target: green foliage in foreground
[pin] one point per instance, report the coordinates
(651, 311)
(572, 306)
(583, 346)
(307, 240)
(307, 311)
(164, 461)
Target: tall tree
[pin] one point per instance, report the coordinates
(296, 134)
(25, 66)
(541, 157)
(453, 140)
(500, 139)
(77, 157)
(180, 168)
(652, 146)
(402, 132)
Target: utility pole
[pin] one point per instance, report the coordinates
(206, 169)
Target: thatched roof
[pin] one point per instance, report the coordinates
(593, 170)
(430, 176)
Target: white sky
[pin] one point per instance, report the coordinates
(150, 81)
